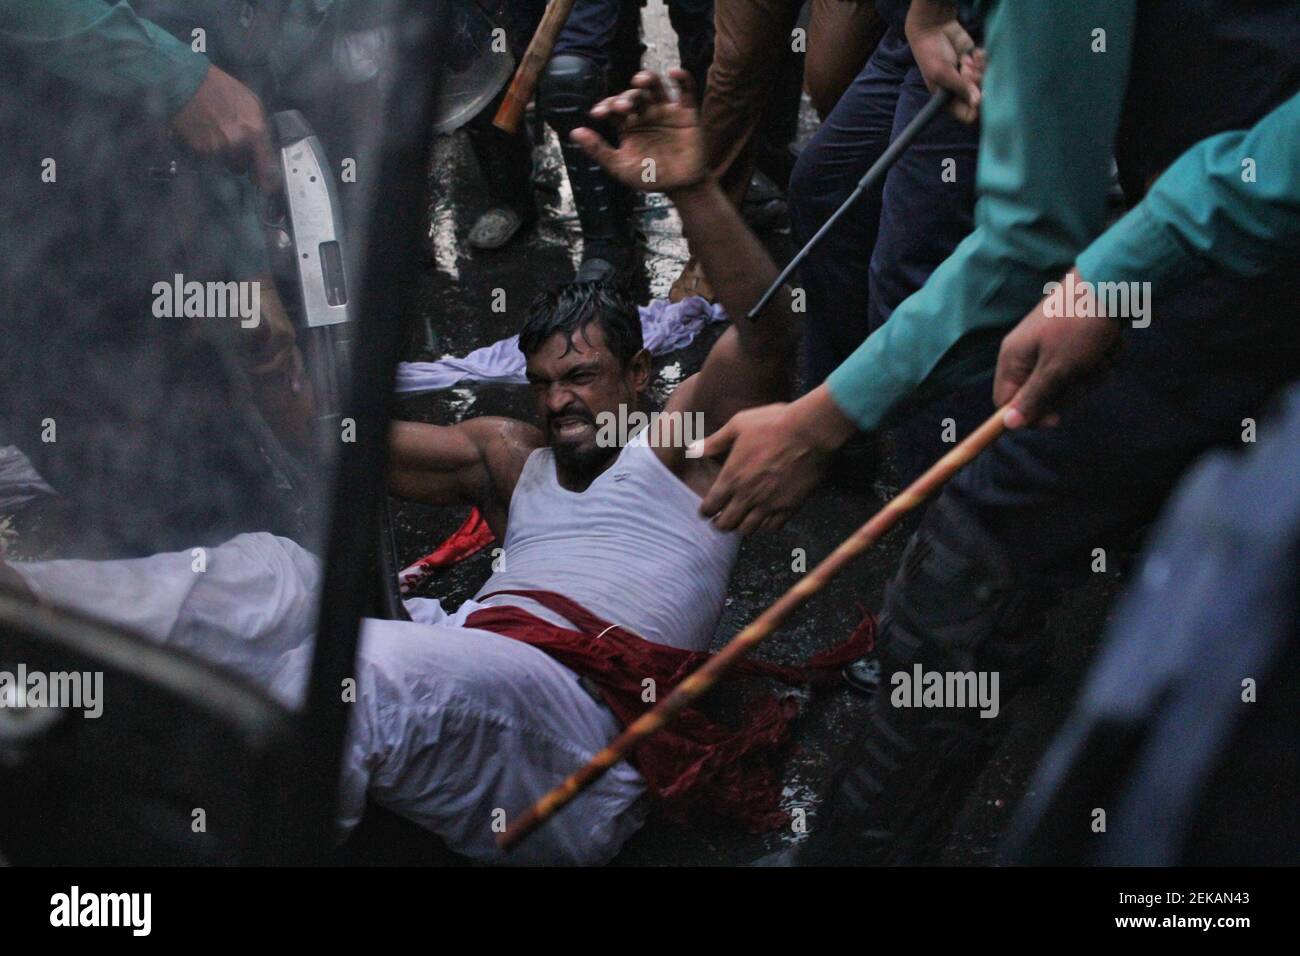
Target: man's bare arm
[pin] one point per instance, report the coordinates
(476, 462)
(753, 362)
(661, 148)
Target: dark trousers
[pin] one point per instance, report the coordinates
(597, 53)
(504, 159)
(1160, 733)
(1026, 516)
(593, 31)
(1183, 385)
(886, 246)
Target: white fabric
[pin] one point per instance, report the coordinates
(20, 483)
(251, 610)
(451, 724)
(665, 327)
(632, 548)
(463, 724)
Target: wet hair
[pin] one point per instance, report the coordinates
(571, 307)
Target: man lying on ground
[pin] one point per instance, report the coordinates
(607, 568)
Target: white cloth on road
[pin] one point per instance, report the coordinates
(665, 327)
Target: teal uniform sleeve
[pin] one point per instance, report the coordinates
(1053, 94)
(107, 47)
(1231, 202)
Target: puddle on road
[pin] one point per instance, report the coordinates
(443, 202)
(666, 381)
(460, 401)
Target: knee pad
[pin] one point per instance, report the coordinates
(570, 87)
(957, 601)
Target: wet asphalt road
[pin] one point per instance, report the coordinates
(455, 294)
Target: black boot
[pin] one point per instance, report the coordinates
(903, 781)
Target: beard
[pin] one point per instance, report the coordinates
(580, 457)
(582, 460)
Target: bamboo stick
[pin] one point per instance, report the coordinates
(758, 630)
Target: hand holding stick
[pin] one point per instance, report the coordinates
(538, 54)
(697, 684)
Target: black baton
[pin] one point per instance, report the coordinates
(873, 176)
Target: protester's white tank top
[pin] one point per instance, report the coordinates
(632, 548)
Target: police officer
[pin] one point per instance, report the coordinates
(597, 53)
(1068, 85)
(141, 413)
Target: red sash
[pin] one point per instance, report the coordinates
(695, 763)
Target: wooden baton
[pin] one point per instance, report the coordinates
(698, 683)
(529, 71)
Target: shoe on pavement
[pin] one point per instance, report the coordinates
(495, 228)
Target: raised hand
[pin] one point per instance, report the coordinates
(661, 146)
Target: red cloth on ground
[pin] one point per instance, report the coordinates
(469, 539)
(694, 763)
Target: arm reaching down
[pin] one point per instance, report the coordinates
(1201, 214)
(109, 48)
